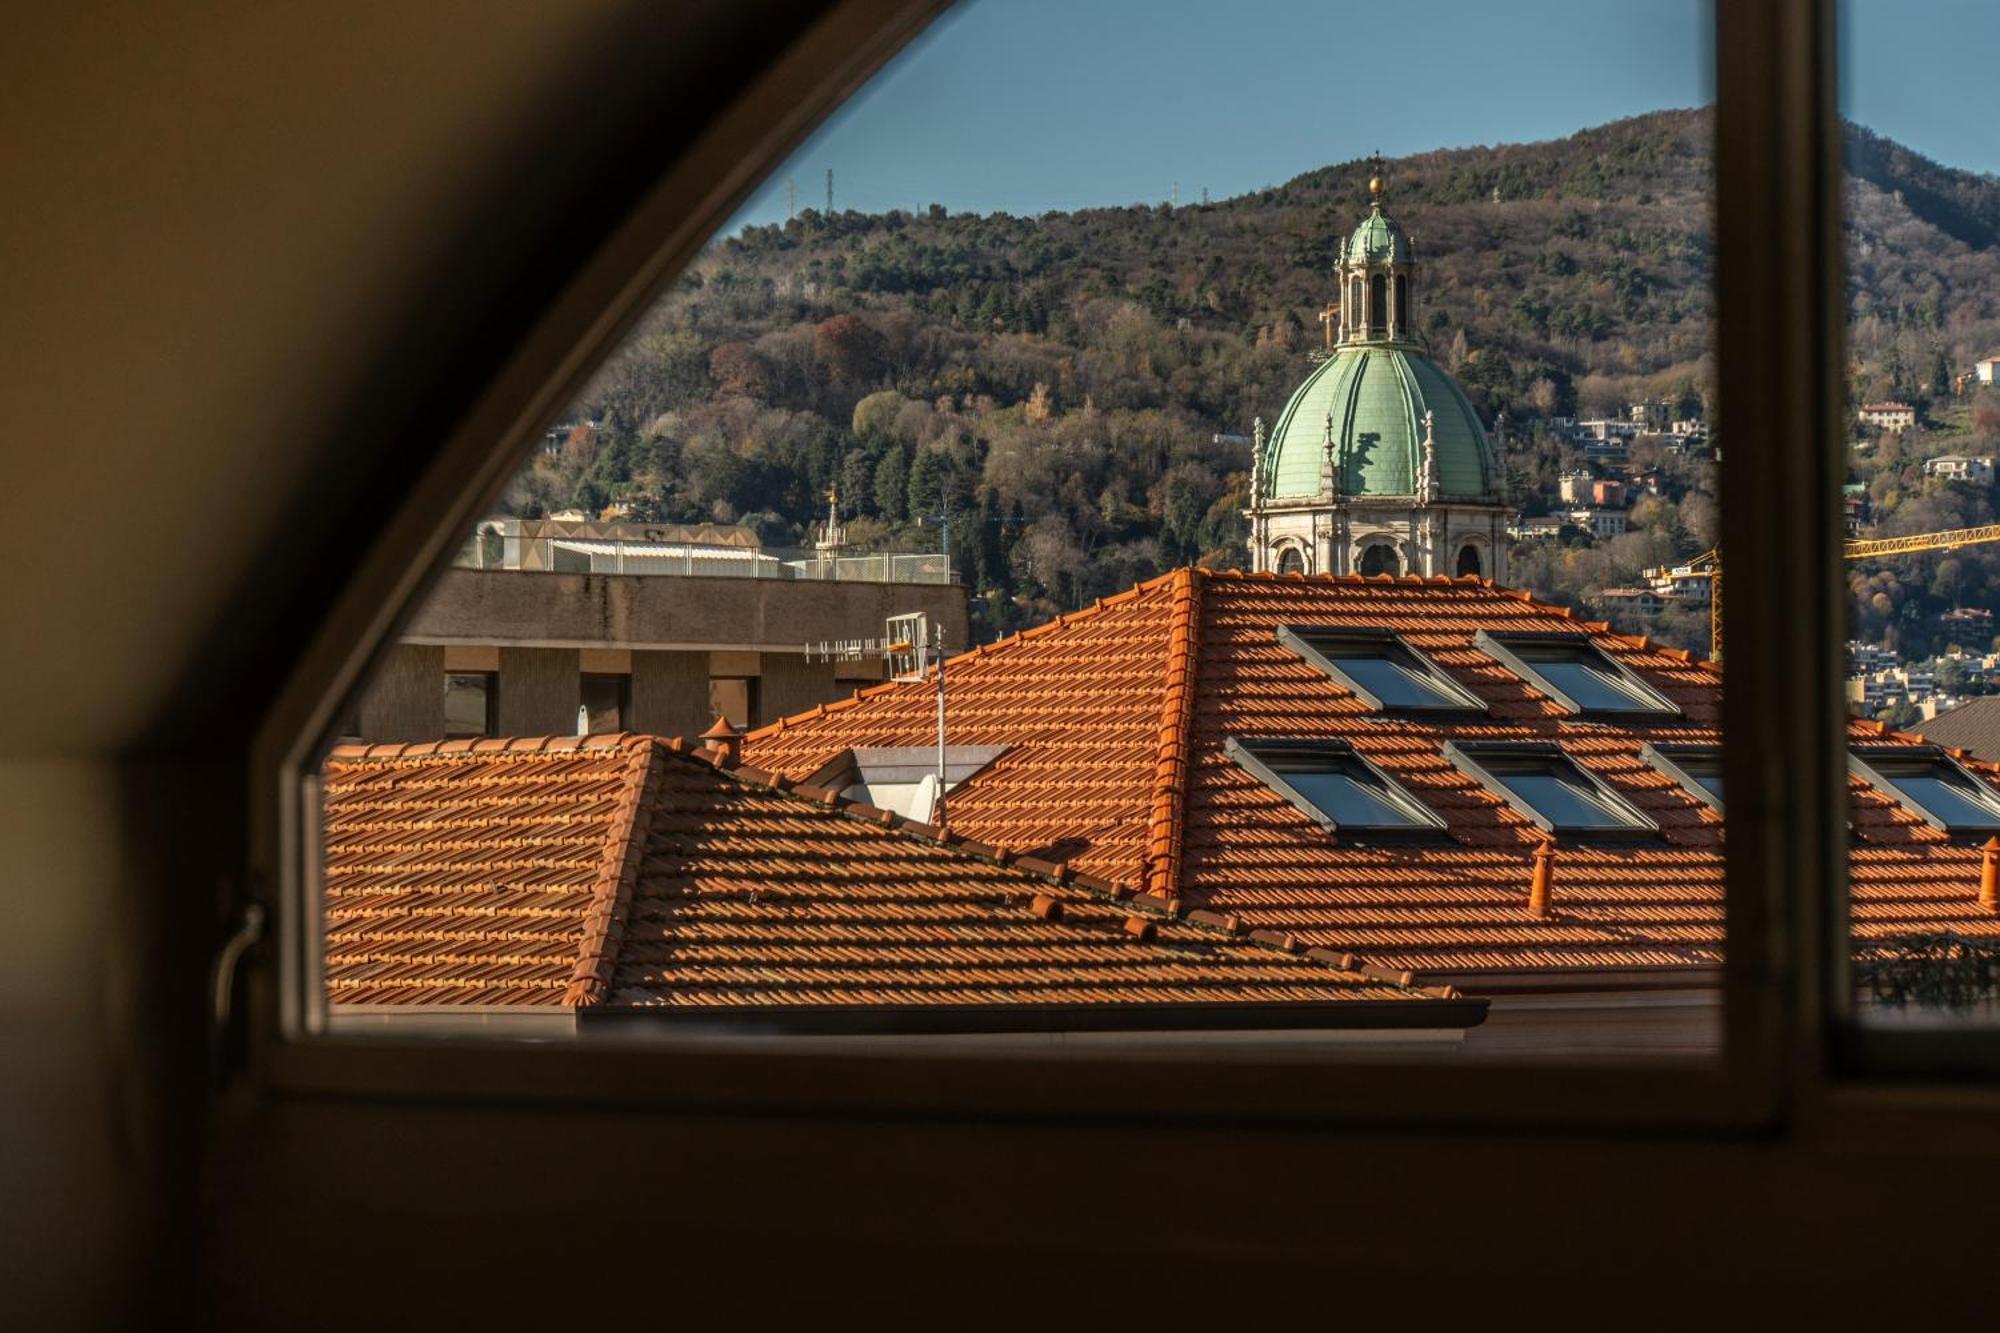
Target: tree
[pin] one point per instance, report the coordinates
(892, 485)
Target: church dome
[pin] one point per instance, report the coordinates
(1379, 237)
(1376, 396)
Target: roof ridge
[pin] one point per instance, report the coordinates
(1160, 863)
(617, 876)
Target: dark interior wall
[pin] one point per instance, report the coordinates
(256, 254)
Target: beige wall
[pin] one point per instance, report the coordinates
(539, 691)
(405, 700)
(670, 693)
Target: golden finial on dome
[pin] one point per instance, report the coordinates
(1375, 174)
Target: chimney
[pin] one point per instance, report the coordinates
(1989, 877)
(726, 741)
(1545, 864)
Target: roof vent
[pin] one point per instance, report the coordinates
(726, 741)
(1989, 877)
(1545, 865)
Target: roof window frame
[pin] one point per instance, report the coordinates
(1467, 758)
(1499, 648)
(1428, 823)
(1666, 756)
(1862, 761)
(1295, 638)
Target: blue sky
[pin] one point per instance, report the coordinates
(1027, 105)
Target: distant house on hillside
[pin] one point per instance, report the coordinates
(1960, 467)
(1889, 416)
(1987, 370)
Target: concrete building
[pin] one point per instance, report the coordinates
(516, 652)
(1601, 523)
(1888, 416)
(1378, 464)
(1960, 467)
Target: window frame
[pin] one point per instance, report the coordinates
(1778, 305)
(1425, 822)
(1466, 757)
(1862, 762)
(1296, 638)
(1666, 756)
(623, 682)
(1500, 647)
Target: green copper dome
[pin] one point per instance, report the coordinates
(1378, 237)
(1377, 396)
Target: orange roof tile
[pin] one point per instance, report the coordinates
(626, 874)
(1116, 720)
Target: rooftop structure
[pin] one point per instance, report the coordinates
(567, 879)
(1973, 726)
(1378, 463)
(1230, 740)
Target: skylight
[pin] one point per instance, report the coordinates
(1577, 674)
(1549, 788)
(1696, 767)
(1932, 786)
(1335, 786)
(1380, 669)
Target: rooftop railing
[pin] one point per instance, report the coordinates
(605, 555)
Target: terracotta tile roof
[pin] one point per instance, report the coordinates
(1116, 719)
(624, 873)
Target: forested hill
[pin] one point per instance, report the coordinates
(1063, 377)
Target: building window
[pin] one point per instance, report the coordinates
(1291, 560)
(1381, 558)
(1930, 785)
(1334, 786)
(1469, 561)
(734, 697)
(1698, 768)
(1378, 304)
(1550, 789)
(1577, 674)
(1402, 305)
(471, 703)
(605, 704)
(1380, 669)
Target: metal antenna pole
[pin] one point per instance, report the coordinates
(944, 521)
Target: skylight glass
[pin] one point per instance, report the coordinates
(1334, 785)
(1380, 668)
(1699, 769)
(1577, 674)
(1936, 789)
(1550, 788)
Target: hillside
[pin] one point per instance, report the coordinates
(1062, 378)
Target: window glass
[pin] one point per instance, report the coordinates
(1074, 417)
(604, 702)
(1919, 509)
(470, 703)
(1336, 785)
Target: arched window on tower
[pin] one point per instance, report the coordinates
(1381, 558)
(1291, 560)
(1469, 561)
(1356, 316)
(1378, 304)
(1402, 305)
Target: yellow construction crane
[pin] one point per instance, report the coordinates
(1710, 563)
